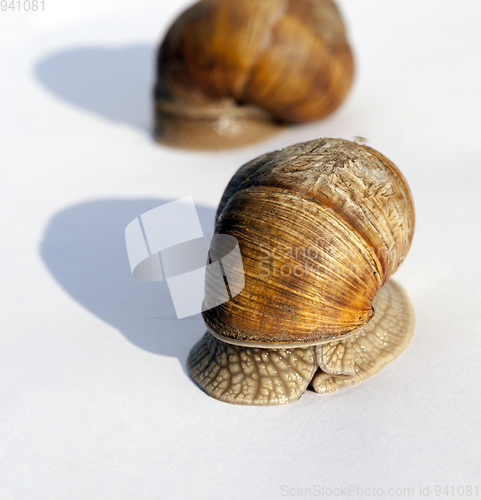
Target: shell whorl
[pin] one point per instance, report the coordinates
(232, 71)
(321, 225)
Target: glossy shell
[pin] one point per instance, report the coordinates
(231, 72)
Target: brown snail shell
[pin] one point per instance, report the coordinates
(324, 223)
(343, 215)
(232, 72)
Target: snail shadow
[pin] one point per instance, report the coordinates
(113, 82)
(84, 249)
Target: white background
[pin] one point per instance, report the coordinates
(95, 401)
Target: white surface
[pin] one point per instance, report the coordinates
(95, 400)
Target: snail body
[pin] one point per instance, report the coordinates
(232, 72)
(321, 226)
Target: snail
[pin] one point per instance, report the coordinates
(321, 226)
(232, 72)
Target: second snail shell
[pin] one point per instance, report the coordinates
(231, 72)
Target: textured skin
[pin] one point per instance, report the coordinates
(350, 361)
(252, 376)
(247, 376)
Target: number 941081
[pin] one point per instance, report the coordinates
(22, 5)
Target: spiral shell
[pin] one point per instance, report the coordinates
(321, 225)
(232, 72)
